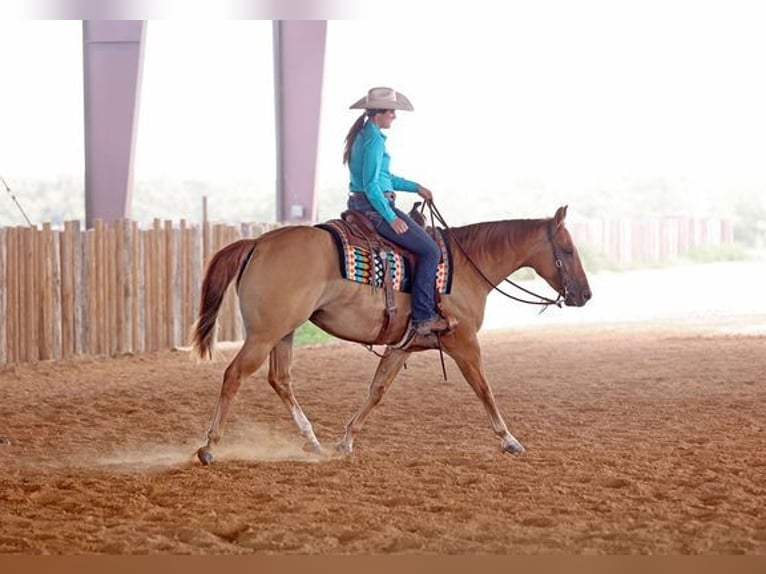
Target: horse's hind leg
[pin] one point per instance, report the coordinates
(388, 368)
(247, 361)
(280, 380)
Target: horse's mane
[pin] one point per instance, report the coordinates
(488, 237)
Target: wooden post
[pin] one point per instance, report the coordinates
(21, 299)
(34, 291)
(12, 298)
(169, 286)
(140, 316)
(125, 285)
(205, 229)
(131, 265)
(56, 294)
(25, 295)
(46, 295)
(157, 268)
(100, 323)
(3, 296)
(67, 293)
(184, 256)
(178, 275)
(110, 252)
(232, 234)
(148, 250)
(118, 294)
(78, 297)
(159, 287)
(216, 243)
(197, 264)
(207, 248)
(91, 288)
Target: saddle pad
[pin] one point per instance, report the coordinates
(358, 264)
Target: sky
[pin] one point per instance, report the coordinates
(553, 94)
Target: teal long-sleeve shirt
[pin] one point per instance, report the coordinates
(369, 168)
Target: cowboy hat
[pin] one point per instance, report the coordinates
(382, 99)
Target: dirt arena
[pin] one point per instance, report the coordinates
(640, 440)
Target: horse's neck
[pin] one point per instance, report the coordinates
(498, 248)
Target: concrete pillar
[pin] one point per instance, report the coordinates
(299, 50)
(113, 59)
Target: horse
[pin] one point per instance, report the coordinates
(291, 275)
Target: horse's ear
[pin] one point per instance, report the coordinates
(561, 214)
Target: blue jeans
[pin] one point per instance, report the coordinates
(415, 240)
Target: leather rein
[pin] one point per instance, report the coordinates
(542, 300)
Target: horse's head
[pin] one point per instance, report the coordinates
(559, 263)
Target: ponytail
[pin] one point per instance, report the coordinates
(351, 136)
(355, 129)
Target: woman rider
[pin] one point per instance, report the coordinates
(372, 189)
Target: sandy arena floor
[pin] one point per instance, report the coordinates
(640, 440)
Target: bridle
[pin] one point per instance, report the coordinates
(558, 255)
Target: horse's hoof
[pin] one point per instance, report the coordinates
(513, 447)
(5, 441)
(312, 447)
(205, 456)
(344, 448)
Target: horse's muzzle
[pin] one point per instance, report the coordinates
(577, 298)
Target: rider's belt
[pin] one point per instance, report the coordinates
(386, 194)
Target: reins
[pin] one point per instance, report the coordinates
(544, 301)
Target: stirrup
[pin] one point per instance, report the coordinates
(429, 340)
(438, 325)
(412, 338)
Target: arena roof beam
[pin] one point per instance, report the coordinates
(299, 49)
(112, 61)
(113, 54)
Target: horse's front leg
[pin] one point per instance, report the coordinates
(281, 381)
(388, 368)
(467, 356)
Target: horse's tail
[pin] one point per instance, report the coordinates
(223, 267)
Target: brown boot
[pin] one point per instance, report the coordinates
(435, 325)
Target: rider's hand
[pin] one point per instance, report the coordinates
(399, 225)
(425, 193)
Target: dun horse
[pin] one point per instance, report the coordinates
(291, 275)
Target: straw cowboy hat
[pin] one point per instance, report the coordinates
(382, 99)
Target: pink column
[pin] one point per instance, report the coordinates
(299, 47)
(112, 58)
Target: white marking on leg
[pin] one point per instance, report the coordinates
(307, 431)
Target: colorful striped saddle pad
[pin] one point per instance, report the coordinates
(359, 264)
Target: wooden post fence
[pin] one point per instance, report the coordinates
(109, 290)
